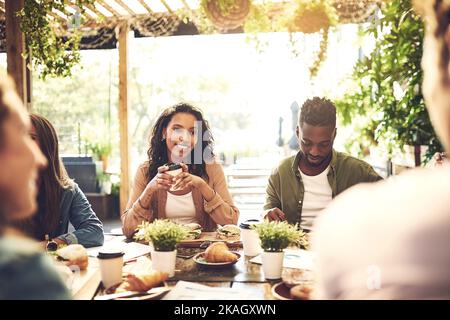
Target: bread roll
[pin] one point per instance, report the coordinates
(301, 292)
(74, 255)
(219, 252)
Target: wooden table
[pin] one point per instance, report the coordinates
(244, 275)
(85, 284)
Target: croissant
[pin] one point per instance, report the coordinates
(218, 252)
(142, 283)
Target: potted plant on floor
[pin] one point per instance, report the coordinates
(275, 236)
(102, 151)
(163, 236)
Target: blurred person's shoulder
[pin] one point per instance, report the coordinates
(14, 246)
(26, 272)
(388, 224)
(408, 200)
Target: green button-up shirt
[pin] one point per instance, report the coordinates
(285, 189)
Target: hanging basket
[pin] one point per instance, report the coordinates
(234, 16)
(312, 17)
(355, 11)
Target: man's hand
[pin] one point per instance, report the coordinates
(275, 214)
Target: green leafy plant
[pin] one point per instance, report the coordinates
(163, 234)
(387, 93)
(276, 236)
(305, 16)
(54, 49)
(100, 149)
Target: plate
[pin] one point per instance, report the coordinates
(199, 259)
(281, 291)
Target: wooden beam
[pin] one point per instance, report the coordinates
(166, 5)
(109, 8)
(185, 4)
(146, 6)
(123, 115)
(15, 47)
(94, 9)
(127, 8)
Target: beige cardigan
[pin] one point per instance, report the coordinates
(220, 210)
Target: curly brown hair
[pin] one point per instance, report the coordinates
(157, 152)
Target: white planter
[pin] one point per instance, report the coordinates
(164, 261)
(272, 263)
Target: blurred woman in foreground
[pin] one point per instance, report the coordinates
(25, 273)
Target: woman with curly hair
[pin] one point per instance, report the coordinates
(197, 195)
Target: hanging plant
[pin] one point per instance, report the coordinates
(226, 14)
(54, 45)
(309, 17)
(391, 120)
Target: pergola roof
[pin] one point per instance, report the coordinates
(104, 11)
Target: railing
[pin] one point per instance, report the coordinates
(247, 186)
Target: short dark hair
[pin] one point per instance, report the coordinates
(319, 112)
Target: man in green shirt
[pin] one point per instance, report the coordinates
(304, 184)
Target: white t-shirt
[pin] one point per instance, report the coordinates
(387, 240)
(317, 196)
(180, 208)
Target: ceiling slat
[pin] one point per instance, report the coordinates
(186, 4)
(94, 9)
(121, 3)
(109, 8)
(166, 5)
(145, 5)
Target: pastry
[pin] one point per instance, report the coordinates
(219, 252)
(301, 292)
(74, 255)
(142, 283)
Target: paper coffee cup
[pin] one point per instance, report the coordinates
(250, 238)
(111, 264)
(174, 170)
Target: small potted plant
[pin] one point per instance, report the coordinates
(275, 236)
(101, 150)
(163, 236)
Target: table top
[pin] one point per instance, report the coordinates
(244, 275)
